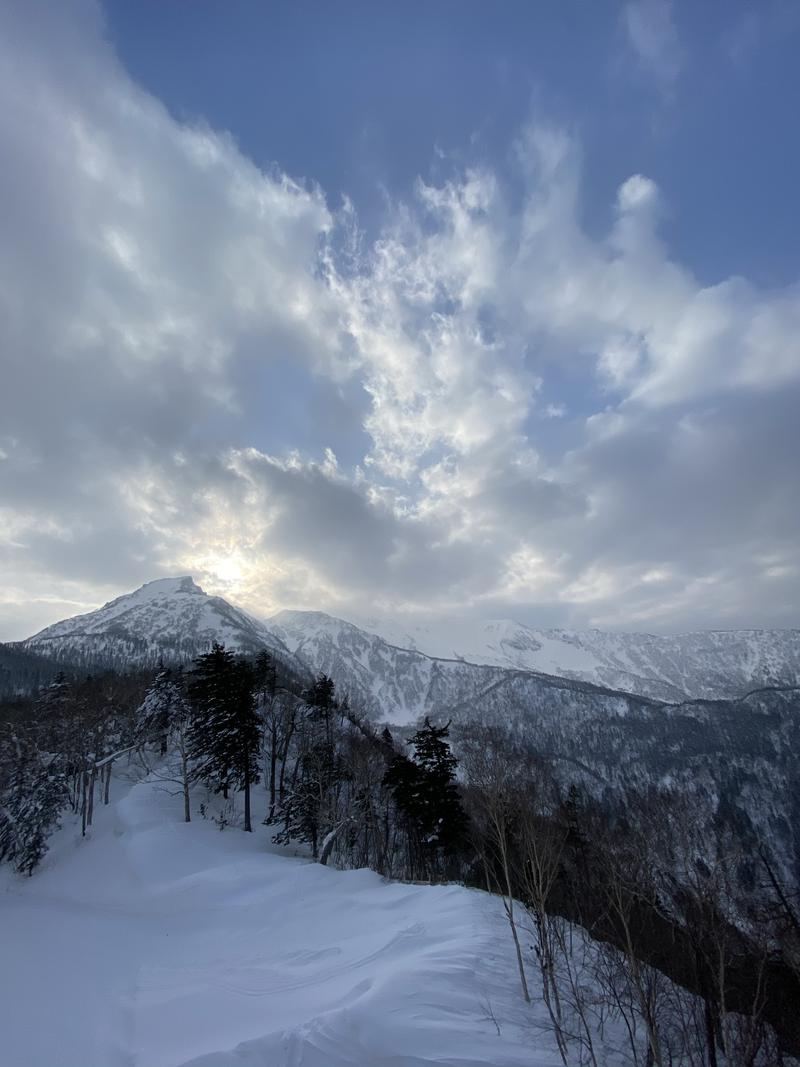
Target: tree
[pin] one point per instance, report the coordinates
(163, 700)
(31, 802)
(165, 716)
(309, 807)
(425, 791)
(271, 711)
(225, 731)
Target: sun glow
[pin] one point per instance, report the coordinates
(226, 569)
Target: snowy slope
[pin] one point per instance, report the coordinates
(161, 944)
(706, 664)
(170, 617)
(407, 673)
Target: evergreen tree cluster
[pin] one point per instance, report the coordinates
(332, 782)
(53, 758)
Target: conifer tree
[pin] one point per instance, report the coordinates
(425, 791)
(224, 737)
(163, 702)
(31, 801)
(309, 806)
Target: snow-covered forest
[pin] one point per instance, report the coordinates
(623, 928)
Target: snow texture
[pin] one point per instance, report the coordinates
(161, 944)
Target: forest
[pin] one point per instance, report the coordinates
(616, 912)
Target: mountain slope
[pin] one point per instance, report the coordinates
(397, 672)
(171, 618)
(404, 679)
(734, 758)
(22, 671)
(711, 664)
(166, 944)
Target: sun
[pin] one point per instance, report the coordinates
(226, 569)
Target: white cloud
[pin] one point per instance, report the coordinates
(153, 274)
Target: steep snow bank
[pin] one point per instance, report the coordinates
(158, 944)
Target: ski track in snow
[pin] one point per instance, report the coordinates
(157, 944)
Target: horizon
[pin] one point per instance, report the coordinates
(416, 622)
(421, 311)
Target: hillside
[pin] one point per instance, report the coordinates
(162, 944)
(22, 670)
(709, 664)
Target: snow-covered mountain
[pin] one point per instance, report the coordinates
(400, 669)
(710, 664)
(672, 710)
(170, 617)
(399, 672)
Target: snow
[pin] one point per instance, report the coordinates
(173, 617)
(705, 664)
(159, 944)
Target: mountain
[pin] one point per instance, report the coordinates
(400, 670)
(732, 760)
(677, 716)
(710, 664)
(171, 618)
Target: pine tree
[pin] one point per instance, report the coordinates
(425, 791)
(163, 702)
(225, 732)
(31, 802)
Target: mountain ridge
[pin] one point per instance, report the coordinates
(175, 619)
(169, 618)
(708, 664)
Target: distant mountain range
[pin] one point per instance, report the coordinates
(714, 715)
(397, 673)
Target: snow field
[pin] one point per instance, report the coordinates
(161, 944)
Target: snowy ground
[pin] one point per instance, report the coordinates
(157, 944)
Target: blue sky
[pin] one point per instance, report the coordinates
(361, 97)
(427, 308)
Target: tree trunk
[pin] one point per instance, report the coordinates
(247, 824)
(187, 814)
(92, 779)
(107, 789)
(84, 791)
(328, 843)
(273, 763)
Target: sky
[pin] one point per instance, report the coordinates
(453, 309)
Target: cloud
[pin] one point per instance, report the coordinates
(486, 409)
(653, 36)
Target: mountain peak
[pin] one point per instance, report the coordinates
(171, 618)
(166, 586)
